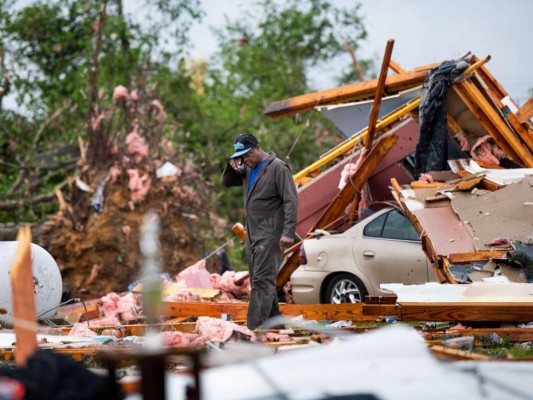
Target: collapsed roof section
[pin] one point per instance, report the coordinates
(481, 123)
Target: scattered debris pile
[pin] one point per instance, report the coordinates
(450, 123)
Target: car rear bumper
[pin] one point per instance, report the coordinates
(306, 286)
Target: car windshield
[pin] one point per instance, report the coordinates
(391, 225)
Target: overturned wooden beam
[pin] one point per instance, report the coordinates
(525, 113)
(369, 138)
(354, 92)
(406, 311)
(497, 120)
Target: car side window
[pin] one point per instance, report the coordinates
(375, 227)
(397, 226)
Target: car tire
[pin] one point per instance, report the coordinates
(345, 288)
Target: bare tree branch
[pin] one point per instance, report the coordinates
(356, 64)
(42, 198)
(47, 121)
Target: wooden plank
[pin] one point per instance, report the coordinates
(497, 93)
(525, 113)
(405, 311)
(471, 311)
(421, 185)
(497, 121)
(76, 312)
(446, 270)
(509, 334)
(453, 125)
(23, 299)
(353, 92)
(396, 67)
(238, 310)
(462, 258)
(448, 353)
(378, 95)
(395, 185)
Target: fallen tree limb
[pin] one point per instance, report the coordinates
(41, 198)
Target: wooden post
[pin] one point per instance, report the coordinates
(379, 94)
(23, 298)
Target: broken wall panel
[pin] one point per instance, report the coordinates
(501, 214)
(447, 233)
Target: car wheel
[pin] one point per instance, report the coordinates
(345, 288)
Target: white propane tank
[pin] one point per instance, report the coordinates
(48, 285)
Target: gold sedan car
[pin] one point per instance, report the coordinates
(344, 268)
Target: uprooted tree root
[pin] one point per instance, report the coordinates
(95, 239)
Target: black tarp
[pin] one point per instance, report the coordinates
(432, 149)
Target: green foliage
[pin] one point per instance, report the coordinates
(264, 55)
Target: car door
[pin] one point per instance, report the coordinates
(387, 250)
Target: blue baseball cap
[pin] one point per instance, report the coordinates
(243, 144)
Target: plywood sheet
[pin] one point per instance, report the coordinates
(501, 214)
(445, 231)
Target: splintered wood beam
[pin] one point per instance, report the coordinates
(379, 94)
(478, 113)
(396, 67)
(499, 122)
(471, 311)
(353, 92)
(288, 267)
(460, 258)
(238, 310)
(453, 125)
(23, 298)
(448, 353)
(343, 199)
(509, 334)
(497, 93)
(525, 112)
(405, 311)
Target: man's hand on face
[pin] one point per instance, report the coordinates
(234, 163)
(285, 242)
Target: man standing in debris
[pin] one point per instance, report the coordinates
(270, 205)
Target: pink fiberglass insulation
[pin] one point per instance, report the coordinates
(160, 114)
(227, 283)
(123, 308)
(196, 276)
(463, 141)
(120, 93)
(114, 173)
(81, 330)
(136, 145)
(426, 178)
(182, 296)
(274, 337)
(486, 150)
(182, 339)
(217, 330)
(139, 186)
(215, 278)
